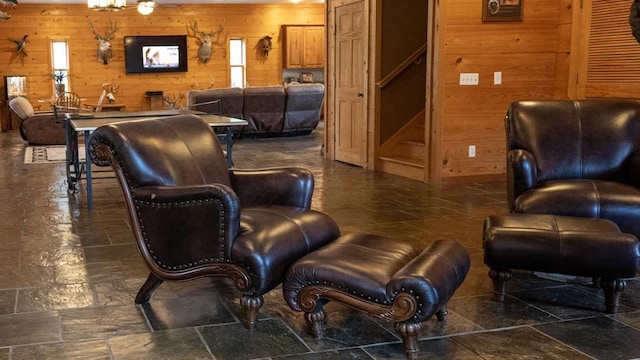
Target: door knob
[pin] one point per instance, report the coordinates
(360, 95)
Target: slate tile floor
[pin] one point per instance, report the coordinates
(69, 276)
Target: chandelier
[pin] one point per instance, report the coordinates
(106, 5)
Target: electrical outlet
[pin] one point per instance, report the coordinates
(472, 151)
(469, 78)
(497, 78)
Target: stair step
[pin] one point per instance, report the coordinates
(413, 142)
(405, 160)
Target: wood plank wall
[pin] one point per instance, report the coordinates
(533, 56)
(44, 23)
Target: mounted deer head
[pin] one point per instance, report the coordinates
(205, 49)
(104, 42)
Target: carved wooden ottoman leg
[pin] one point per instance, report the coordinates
(409, 333)
(441, 314)
(317, 322)
(612, 290)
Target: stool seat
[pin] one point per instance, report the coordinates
(384, 278)
(560, 244)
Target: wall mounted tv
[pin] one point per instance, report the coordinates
(153, 54)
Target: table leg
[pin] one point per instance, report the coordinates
(229, 146)
(87, 162)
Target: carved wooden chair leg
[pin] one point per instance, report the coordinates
(149, 286)
(500, 278)
(251, 305)
(409, 333)
(612, 290)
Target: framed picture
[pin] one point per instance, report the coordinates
(306, 78)
(15, 85)
(501, 10)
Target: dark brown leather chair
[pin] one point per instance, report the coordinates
(576, 158)
(193, 217)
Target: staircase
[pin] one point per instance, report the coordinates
(404, 153)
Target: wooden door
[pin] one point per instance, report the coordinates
(350, 138)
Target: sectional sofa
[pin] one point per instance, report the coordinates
(269, 110)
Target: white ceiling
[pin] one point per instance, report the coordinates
(177, 2)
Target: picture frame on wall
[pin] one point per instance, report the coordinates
(501, 10)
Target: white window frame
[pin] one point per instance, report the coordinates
(60, 62)
(240, 65)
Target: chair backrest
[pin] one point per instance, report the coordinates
(165, 151)
(68, 102)
(98, 107)
(21, 107)
(583, 139)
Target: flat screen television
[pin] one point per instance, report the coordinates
(155, 54)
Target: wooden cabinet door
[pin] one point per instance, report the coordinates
(294, 37)
(314, 46)
(304, 46)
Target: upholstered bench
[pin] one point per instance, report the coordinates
(384, 278)
(560, 244)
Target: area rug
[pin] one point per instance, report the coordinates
(50, 154)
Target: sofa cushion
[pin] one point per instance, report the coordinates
(231, 101)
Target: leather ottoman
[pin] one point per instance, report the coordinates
(567, 245)
(381, 277)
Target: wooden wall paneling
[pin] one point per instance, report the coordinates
(45, 22)
(528, 55)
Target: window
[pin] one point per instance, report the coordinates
(237, 64)
(60, 64)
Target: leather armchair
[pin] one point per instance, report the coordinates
(37, 127)
(192, 217)
(575, 158)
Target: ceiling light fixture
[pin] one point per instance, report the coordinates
(106, 5)
(145, 7)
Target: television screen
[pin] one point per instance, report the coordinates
(149, 54)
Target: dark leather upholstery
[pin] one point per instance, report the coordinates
(231, 101)
(560, 244)
(577, 158)
(193, 217)
(384, 278)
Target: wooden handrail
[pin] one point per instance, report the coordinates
(402, 67)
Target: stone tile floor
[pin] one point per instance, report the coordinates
(69, 276)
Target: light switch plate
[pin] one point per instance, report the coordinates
(469, 79)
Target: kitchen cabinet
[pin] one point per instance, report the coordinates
(304, 46)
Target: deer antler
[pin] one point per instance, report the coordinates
(113, 28)
(193, 26)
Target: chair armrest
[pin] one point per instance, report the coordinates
(634, 169)
(185, 225)
(277, 186)
(522, 174)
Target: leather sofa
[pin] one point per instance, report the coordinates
(269, 110)
(575, 158)
(36, 127)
